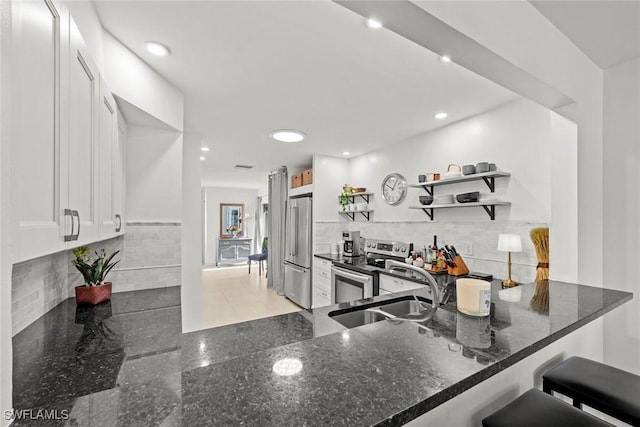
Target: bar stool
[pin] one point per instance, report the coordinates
(537, 409)
(607, 389)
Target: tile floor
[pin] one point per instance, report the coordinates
(231, 295)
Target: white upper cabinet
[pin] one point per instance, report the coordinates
(108, 134)
(36, 142)
(119, 181)
(112, 137)
(67, 142)
(81, 142)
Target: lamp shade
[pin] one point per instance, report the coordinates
(509, 243)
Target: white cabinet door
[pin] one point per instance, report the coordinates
(81, 146)
(108, 142)
(36, 143)
(119, 179)
(392, 284)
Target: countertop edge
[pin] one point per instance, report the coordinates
(441, 397)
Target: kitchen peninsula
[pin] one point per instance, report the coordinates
(292, 369)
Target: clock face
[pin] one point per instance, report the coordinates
(394, 188)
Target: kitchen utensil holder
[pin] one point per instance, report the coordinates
(460, 267)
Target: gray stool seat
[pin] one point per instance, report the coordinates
(537, 409)
(609, 390)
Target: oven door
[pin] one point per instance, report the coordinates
(348, 285)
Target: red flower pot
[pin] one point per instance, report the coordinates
(93, 294)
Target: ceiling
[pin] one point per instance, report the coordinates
(608, 32)
(249, 67)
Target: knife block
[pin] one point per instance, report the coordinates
(460, 267)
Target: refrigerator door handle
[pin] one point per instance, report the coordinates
(290, 239)
(294, 223)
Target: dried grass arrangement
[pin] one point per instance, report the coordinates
(540, 239)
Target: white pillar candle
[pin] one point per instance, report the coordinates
(473, 297)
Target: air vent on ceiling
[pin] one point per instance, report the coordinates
(243, 166)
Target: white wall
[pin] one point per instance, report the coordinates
(191, 286)
(133, 80)
(622, 210)
(154, 175)
(515, 136)
(329, 175)
(6, 351)
(213, 197)
(563, 241)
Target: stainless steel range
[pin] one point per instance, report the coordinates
(378, 251)
(357, 277)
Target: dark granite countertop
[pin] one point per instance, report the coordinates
(132, 366)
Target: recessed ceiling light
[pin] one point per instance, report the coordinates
(440, 116)
(372, 23)
(345, 153)
(205, 149)
(157, 49)
(287, 135)
(203, 158)
(445, 58)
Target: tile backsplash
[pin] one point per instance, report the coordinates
(482, 237)
(150, 257)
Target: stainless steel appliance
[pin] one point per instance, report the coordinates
(297, 264)
(351, 243)
(356, 277)
(378, 251)
(351, 282)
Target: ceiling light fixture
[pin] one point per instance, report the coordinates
(445, 58)
(372, 23)
(440, 116)
(345, 153)
(205, 149)
(287, 135)
(157, 49)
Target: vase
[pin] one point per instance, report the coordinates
(93, 294)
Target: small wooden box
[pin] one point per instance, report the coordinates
(296, 180)
(307, 177)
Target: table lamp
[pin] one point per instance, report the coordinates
(509, 243)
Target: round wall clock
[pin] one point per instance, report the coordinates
(394, 188)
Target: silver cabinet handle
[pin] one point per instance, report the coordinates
(69, 237)
(77, 215)
(119, 227)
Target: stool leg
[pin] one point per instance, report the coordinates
(249, 266)
(546, 388)
(260, 268)
(577, 404)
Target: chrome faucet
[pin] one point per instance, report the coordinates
(435, 292)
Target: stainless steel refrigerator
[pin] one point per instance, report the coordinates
(297, 264)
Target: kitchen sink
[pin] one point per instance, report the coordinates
(357, 316)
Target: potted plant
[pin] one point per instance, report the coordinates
(95, 290)
(344, 196)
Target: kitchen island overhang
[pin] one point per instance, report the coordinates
(385, 373)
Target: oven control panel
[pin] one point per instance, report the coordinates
(388, 247)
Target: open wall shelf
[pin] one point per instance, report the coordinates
(487, 177)
(489, 207)
(352, 214)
